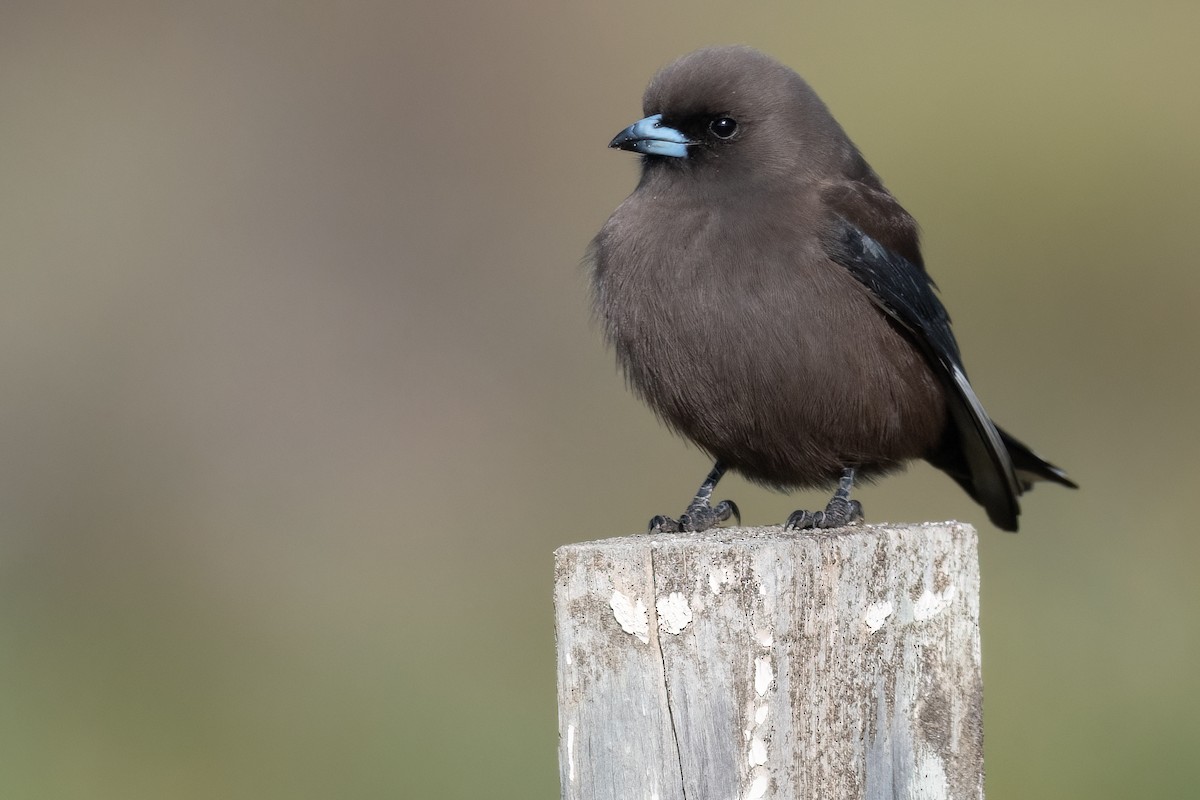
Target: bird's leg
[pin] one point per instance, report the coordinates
(841, 510)
(700, 515)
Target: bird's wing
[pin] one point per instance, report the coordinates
(870, 235)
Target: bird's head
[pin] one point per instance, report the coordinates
(735, 112)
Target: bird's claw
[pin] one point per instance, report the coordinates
(660, 523)
(698, 517)
(839, 513)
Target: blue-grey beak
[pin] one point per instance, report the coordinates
(650, 137)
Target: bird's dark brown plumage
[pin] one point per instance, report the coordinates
(766, 296)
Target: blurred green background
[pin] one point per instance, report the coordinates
(301, 392)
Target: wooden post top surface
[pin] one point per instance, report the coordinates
(749, 535)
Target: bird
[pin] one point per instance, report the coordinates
(766, 296)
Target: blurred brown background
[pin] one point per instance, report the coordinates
(300, 390)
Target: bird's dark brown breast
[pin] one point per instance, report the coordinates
(744, 337)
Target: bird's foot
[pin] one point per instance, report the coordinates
(699, 516)
(839, 513)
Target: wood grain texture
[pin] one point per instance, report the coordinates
(748, 663)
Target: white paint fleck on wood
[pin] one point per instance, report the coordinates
(571, 752)
(718, 577)
(932, 603)
(631, 616)
(758, 752)
(758, 786)
(840, 664)
(877, 614)
(763, 675)
(674, 613)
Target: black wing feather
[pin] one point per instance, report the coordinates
(906, 293)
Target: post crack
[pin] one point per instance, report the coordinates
(666, 684)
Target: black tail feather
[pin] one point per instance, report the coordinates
(1027, 467)
(1030, 467)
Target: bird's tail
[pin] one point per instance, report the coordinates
(1027, 469)
(1030, 467)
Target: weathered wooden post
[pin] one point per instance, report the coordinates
(743, 663)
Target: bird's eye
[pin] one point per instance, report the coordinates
(723, 127)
